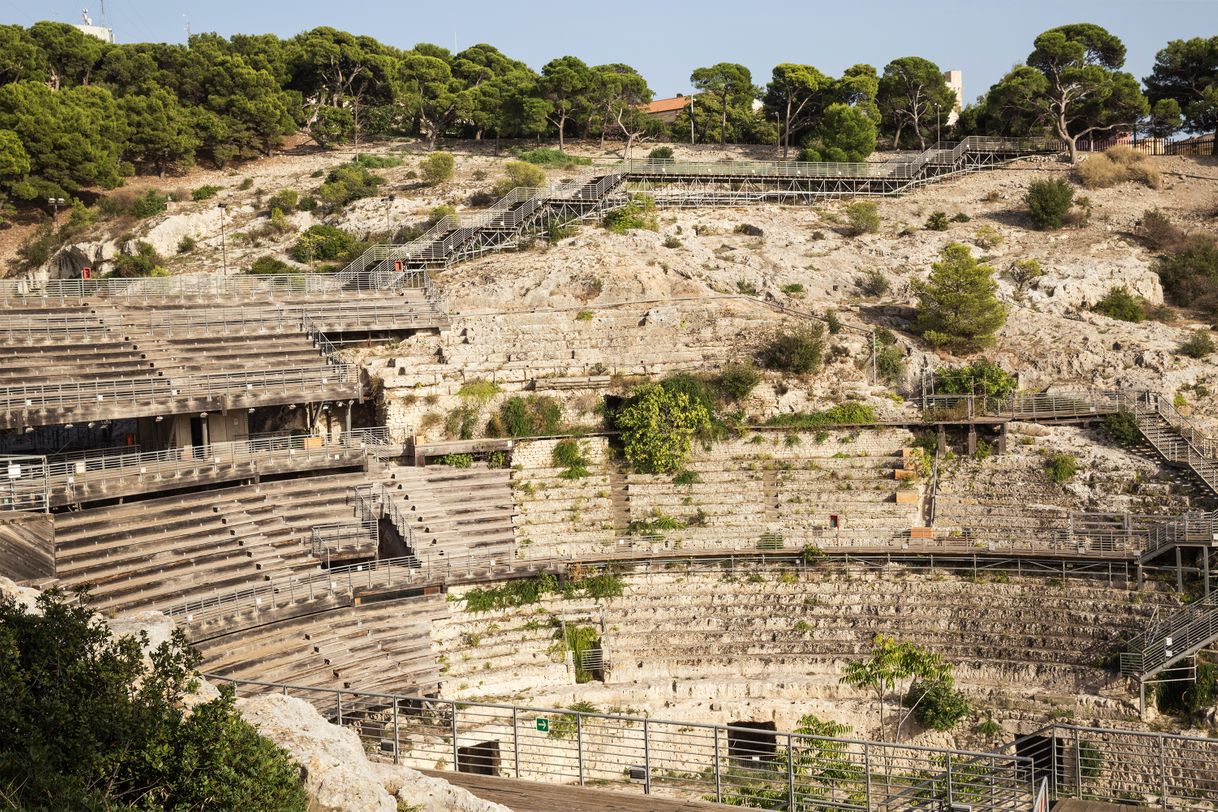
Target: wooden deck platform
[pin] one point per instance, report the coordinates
(1073, 805)
(533, 796)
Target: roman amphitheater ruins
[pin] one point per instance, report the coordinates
(316, 476)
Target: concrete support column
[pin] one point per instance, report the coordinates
(972, 440)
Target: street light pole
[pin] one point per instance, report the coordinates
(55, 202)
(938, 132)
(223, 247)
(691, 120)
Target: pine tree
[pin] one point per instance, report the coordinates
(957, 308)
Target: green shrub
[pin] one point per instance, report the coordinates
(148, 204)
(793, 289)
(638, 213)
(672, 242)
(987, 237)
(981, 377)
(937, 221)
(1119, 303)
(144, 262)
(1190, 275)
(960, 217)
(1048, 202)
(246, 184)
(187, 244)
(1121, 427)
(204, 193)
(1023, 272)
(843, 414)
(936, 704)
(686, 478)
(833, 322)
(307, 203)
(746, 288)
(376, 161)
(89, 722)
(437, 168)
(873, 283)
(531, 416)
(268, 264)
(864, 217)
(890, 363)
(1199, 345)
(736, 381)
(322, 242)
(520, 592)
(660, 154)
(285, 200)
(458, 460)
(799, 351)
(1061, 468)
(479, 390)
(569, 455)
(693, 387)
(519, 173)
(658, 426)
(348, 183)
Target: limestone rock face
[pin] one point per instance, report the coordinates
(430, 794)
(24, 595)
(339, 777)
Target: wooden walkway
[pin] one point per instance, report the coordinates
(1073, 805)
(533, 796)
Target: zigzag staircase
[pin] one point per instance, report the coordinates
(1177, 440)
(526, 212)
(1173, 639)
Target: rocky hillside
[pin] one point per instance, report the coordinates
(802, 256)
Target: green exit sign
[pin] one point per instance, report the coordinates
(543, 725)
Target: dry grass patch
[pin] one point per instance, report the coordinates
(1118, 165)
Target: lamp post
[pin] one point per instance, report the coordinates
(55, 202)
(223, 207)
(938, 133)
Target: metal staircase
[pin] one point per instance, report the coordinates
(1173, 639)
(526, 212)
(1175, 439)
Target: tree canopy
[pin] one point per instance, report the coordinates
(88, 722)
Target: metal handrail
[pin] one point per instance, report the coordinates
(212, 385)
(575, 746)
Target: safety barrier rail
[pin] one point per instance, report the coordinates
(1126, 767)
(1179, 635)
(328, 539)
(735, 765)
(202, 285)
(75, 478)
(1197, 528)
(430, 567)
(23, 483)
(196, 387)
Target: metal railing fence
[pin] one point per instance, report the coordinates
(129, 391)
(1179, 635)
(432, 567)
(23, 483)
(1124, 766)
(205, 286)
(782, 770)
(78, 476)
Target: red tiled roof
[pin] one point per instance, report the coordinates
(667, 105)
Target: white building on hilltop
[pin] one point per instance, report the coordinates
(86, 26)
(955, 81)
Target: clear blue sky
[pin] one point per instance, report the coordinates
(665, 40)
